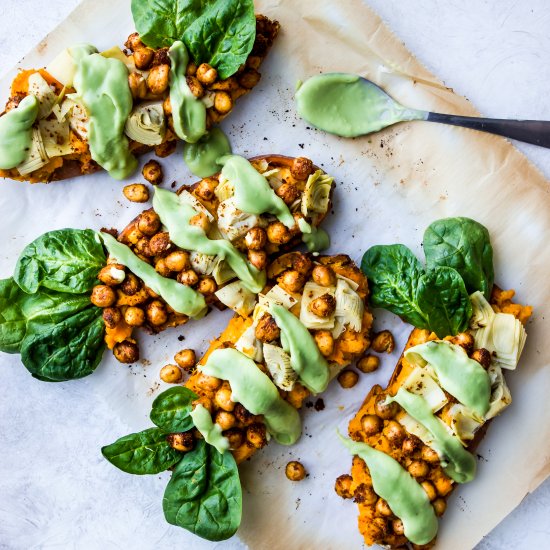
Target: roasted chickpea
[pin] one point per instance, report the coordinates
(134, 316)
(483, 357)
(343, 486)
(112, 274)
(243, 415)
(149, 222)
(157, 81)
(137, 85)
(292, 281)
(395, 433)
(235, 437)
(323, 306)
(205, 402)
(195, 86)
(162, 57)
(133, 235)
(134, 42)
(156, 313)
(171, 374)
(255, 239)
(166, 148)
(410, 445)
(256, 435)
(143, 248)
(295, 471)
(302, 263)
(188, 277)
(225, 420)
(443, 483)
(348, 378)
(383, 341)
(111, 317)
(249, 78)
(383, 409)
(126, 352)
(325, 342)
(418, 469)
(288, 192)
(207, 286)
(278, 233)
(130, 285)
(178, 260)
(152, 172)
(398, 527)
(222, 399)
(160, 243)
(200, 220)
(103, 296)
(223, 102)
(186, 359)
(208, 383)
(206, 74)
(382, 508)
(301, 168)
(439, 506)
(136, 192)
(205, 189)
(365, 494)
(465, 340)
(161, 268)
(323, 275)
(267, 329)
(430, 490)
(429, 455)
(258, 258)
(167, 106)
(368, 363)
(182, 441)
(371, 424)
(143, 57)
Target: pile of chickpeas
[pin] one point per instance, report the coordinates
(420, 460)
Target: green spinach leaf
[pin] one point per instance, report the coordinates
(145, 452)
(66, 260)
(171, 409)
(218, 32)
(65, 350)
(13, 323)
(465, 245)
(442, 296)
(394, 273)
(204, 494)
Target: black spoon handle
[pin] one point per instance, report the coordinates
(536, 132)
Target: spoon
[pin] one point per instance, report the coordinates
(349, 106)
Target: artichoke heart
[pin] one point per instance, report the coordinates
(197, 205)
(234, 223)
(237, 297)
(316, 195)
(249, 344)
(147, 124)
(309, 319)
(420, 382)
(277, 295)
(202, 263)
(36, 157)
(482, 312)
(277, 361)
(500, 394)
(79, 120)
(349, 306)
(46, 97)
(56, 138)
(222, 272)
(464, 422)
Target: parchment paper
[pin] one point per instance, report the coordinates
(390, 187)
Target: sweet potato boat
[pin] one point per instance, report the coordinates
(382, 427)
(218, 95)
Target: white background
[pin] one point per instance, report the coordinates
(497, 53)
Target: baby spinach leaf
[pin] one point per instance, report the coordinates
(145, 452)
(66, 260)
(394, 273)
(13, 323)
(465, 245)
(442, 296)
(171, 409)
(218, 32)
(204, 494)
(65, 350)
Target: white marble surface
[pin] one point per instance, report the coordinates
(496, 52)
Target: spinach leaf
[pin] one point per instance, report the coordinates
(442, 296)
(13, 323)
(66, 260)
(218, 32)
(171, 409)
(145, 452)
(394, 274)
(65, 350)
(204, 494)
(465, 245)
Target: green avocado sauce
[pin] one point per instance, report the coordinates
(253, 194)
(404, 495)
(315, 238)
(181, 298)
(348, 106)
(305, 357)
(461, 376)
(102, 86)
(175, 214)
(256, 392)
(201, 157)
(211, 432)
(461, 464)
(188, 112)
(16, 133)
